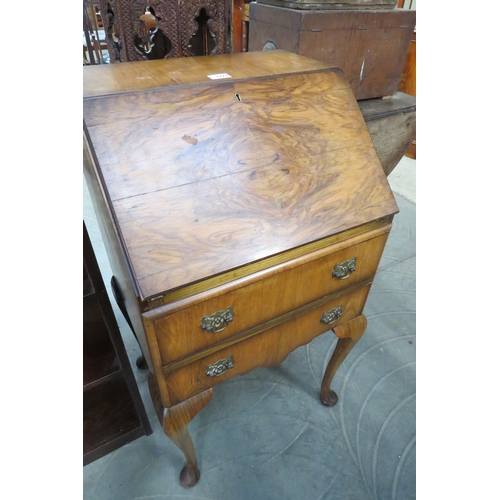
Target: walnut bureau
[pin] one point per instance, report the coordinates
(243, 216)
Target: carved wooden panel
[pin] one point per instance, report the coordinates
(217, 11)
(157, 29)
(111, 20)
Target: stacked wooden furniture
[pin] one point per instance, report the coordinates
(113, 411)
(93, 45)
(370, 46)
(241, 20)
(408, 84)
(367, 39)
(245, 212)
(392, 125)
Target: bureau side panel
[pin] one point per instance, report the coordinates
(118, 262)
(121, 270)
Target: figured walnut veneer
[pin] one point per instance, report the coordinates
(284, 285)
(234, 203)
(209, 204)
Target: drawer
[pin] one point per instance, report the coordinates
(193, 324)
(266, 348)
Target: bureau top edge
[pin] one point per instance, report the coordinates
(111, 79)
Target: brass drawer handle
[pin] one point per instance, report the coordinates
(332, 315)
(218, 321)
(343, 270)
(220, 367)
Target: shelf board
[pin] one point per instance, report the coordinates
(108, 414)
(99, 357)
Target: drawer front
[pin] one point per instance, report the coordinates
(219, 317)
(268, 348)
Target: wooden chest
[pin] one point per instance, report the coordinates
(392, 124)
(370, 46)
(244, 210)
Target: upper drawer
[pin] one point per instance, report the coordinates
(188, 326)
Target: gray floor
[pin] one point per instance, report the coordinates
(266, 436)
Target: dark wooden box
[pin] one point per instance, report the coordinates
(370, 46)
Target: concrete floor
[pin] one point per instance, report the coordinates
(266, 436)
(403, 179)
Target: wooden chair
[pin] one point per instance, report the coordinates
(95, 46)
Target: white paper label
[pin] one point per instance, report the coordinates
(218, 76)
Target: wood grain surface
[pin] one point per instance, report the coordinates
(240, 193)
(175, 421)
(408, 84)
(235, 181)
(108, 79)
(348, 333)
(370, 46)
(333, 4)
(268, 348)
(285, 291)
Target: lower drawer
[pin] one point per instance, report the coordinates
(266, 348)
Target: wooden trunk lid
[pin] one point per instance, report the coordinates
(333, 4)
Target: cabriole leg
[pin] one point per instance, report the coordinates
(174, 422)
(348, 334)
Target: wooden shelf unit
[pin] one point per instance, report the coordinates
(113, 411)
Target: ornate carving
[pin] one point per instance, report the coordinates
(175, 20)
(218, 321)
(164, 35)
(109, 21)
(203, 41)
(150, 40)
(165, 12)
(217, 11)
(343, 271)
(220, 367)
